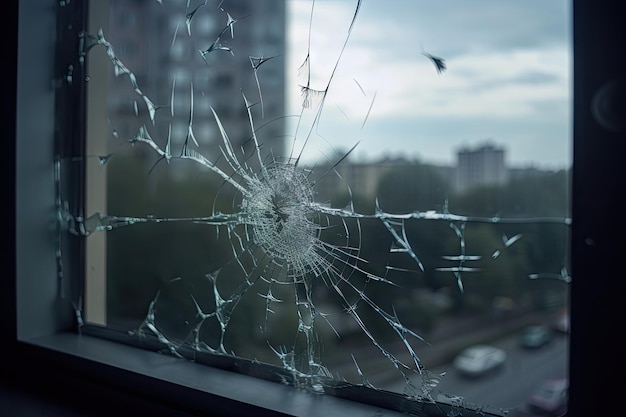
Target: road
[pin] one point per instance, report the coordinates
(509, 386)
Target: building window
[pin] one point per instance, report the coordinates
(286, 276)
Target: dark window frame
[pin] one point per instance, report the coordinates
(99, 377)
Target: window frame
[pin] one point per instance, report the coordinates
(101, 377)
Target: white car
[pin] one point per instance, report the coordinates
(479, 360)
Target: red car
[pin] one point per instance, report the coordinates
(550, 398)
(561, 322)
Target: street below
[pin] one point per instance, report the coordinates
(509, 386)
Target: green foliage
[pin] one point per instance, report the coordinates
(143, 257)
(543, 195)
(410, 187)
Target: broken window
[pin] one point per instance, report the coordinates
(332, 194)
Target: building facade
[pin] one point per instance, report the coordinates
(480, 166)
(191, 57)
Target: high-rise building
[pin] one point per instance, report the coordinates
(484, 165)
(191, 57)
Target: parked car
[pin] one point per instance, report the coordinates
(561, 322)
(479, 360)
(550, 398)
(535, 336)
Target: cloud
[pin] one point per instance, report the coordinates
(508, 62)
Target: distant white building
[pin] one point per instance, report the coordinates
(484, 165)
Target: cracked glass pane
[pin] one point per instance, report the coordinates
(335, 194)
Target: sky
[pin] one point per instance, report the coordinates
(507, 81)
